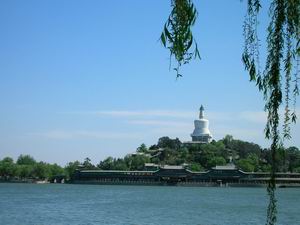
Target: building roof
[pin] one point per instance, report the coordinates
(151, 164)
(115, 171)
(227, 167)
(194, 142)
(169, 167)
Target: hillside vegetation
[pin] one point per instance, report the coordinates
(247, 156)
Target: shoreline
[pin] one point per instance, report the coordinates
(227, 185)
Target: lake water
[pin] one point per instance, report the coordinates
(57, 204)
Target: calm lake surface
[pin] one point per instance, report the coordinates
(55, 204)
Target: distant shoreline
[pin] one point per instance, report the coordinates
(228, 185)
(26, 181)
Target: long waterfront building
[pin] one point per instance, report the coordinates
(178, 175)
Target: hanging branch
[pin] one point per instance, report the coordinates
(282, 53)
(250, 56)
(294, 31)
(177, 35)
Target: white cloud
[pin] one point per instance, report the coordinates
(251, 116)
(165, 128)
(63, 135)
(138, 113)
(246, 125)
(145, 117)
(163, 123)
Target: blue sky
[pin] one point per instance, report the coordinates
(90, 78)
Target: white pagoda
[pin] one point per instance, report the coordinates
(201, 133)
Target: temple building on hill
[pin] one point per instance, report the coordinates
(201, 133)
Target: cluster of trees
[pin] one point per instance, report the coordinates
(26, 167)
(251, 157)
(247, 156)
(129, 162)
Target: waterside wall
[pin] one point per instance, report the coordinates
(185, 177)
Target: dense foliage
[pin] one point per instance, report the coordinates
(26, 167)
(247, 156)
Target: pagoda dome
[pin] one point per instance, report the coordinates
(201, 131)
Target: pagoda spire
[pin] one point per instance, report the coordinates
(201, 115)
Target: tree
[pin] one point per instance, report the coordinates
(195, 167)
(216, 161)
(136, 162)
(70, 169)
(106, 164)
(293, 158)
(120, 164)
(24, 171)
(249, 164)
(7, 168)
(244, 148)
(25, 160)
(41, 170)
(245, 165)
(55, 170)
(143, 148)
(227, 140)
(283, 59)
(87, 164)
(166, 142)
(206, 153)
